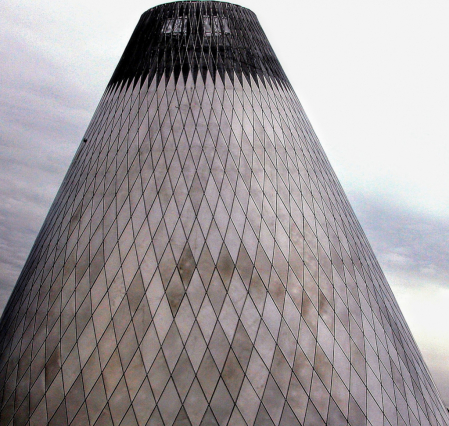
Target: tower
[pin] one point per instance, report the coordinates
(201, 263)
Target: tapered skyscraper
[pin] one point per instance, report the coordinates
(201, 263)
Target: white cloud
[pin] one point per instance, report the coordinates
(425, 307)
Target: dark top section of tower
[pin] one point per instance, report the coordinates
(197, 37)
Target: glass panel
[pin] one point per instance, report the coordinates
(226, 29)
(168, 26)
(217, 27)
(207, 26)
(180, 25)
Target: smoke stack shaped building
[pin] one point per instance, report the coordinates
(201, 264)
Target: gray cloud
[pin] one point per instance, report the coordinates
(404, 240)
(43, 114)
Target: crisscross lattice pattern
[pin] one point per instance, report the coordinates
(201, 265)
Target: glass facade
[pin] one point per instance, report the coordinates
(201, 263)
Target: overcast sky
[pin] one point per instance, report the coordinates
(372, 77)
